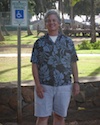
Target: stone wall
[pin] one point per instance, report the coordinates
(89, 97)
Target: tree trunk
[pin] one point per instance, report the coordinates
(71, 14)
(59, 5)
(1, 35)
(29, 31)
(93, 32)
(61, 9)
(5, 30)
(41, 1)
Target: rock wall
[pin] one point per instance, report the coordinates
(89, 97)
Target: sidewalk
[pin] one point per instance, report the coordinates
(88, 79)
(29, 55)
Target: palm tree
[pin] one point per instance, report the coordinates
(42, 5)
(71, 13)
(72, 4)
(93, 32)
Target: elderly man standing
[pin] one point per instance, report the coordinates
(54, 60)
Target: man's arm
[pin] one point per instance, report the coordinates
(76, 87)
(35, 74)
(39, 88)
(75, 71)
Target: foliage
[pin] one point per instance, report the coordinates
(31, 6)
(83, 7)
(40, 6)
(4, 5)
(74, 2)
(86, 45)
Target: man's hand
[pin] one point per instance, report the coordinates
(40, 91)
(76, 89)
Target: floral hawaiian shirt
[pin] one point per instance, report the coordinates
(54, 59)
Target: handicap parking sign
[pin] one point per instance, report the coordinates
(19, 14)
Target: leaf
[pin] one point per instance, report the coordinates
(73, 2)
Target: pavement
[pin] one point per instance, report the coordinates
(88, 79)
(29, 55)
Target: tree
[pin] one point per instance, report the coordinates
(83, 7)
(1, 35)
(88, 7)
(31, 6)
(41, 6)
(61, 9)
(3, 20)
(72, 4)
(93, 32)
(4, 6)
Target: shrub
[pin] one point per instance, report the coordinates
(87, 45)
(96, 45)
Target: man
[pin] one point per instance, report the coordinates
(53, 61)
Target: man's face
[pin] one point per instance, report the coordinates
(52, 23)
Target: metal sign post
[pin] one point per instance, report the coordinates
(19, 19)
(19, 99)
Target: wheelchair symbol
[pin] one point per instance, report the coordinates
(19, 14)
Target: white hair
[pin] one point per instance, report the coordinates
(50, 12)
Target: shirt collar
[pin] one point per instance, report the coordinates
(59, 35)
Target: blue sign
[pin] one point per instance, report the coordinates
(19, 14)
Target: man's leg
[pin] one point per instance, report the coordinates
(42, 121)
(58, 120)
(61, 104)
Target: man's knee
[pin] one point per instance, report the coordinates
(41, 119)
(58, 117)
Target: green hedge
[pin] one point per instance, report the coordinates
(87, 45)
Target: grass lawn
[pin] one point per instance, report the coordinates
(25, 40)
(8, 69)
(88, 66)
(29, 41)
(88, 51)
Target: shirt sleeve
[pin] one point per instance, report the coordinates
(74, 56)
(34, 55)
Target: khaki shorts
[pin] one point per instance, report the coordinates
(56, 99)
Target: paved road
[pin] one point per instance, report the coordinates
(28, 55)
(15, 55)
